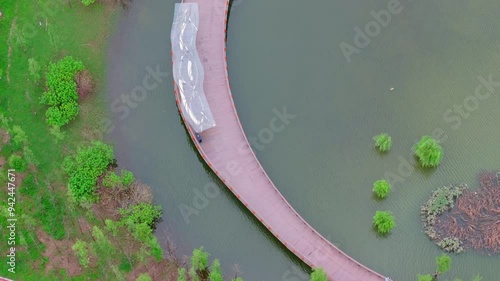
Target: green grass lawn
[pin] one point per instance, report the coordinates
(46, 31)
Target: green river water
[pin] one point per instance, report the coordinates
(288, 54)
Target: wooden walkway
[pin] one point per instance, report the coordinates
(227, 151)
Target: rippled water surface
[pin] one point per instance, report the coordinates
(287, 54)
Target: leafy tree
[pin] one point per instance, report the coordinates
(34, 69)
(88, 2)
(56, 132)
(426, 277)
(111, 226)
(29, 156)
(181, 272)
(102, 245)
(127, 178)
(19, 136)
(61, 93)
(383, 142)
(80, 248)
(383, 221)
(215, 271)
(4, 122)
(428, 151)
(85, 167)
(141, 231)
(155, 248)
(125, 264)
(443, 264)
(381, 188)
(28, 186)
(142, 254)
(18, 163)
(318, 274)
(142, 213)
(119, 275)
(144, 276)
(111, 180)
(199, 259)
(193, 274)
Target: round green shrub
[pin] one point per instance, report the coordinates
(428, 151)
(18, 163)
(383, 142)
(381, 188)
(384, 221)
(127, 178)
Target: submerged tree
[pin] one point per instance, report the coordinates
(443, 263)
(381, 188)
(318, 274)
(428, 151)
(383, 142)
(426, 277)
(215, 271)
(199, 259)
(181, 272)
(383, 221)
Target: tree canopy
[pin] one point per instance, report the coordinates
(84, 168)
(61, 95)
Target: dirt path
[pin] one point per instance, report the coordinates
(9, 53)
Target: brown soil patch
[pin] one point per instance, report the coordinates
(59, 253)
(475, 219)
(159, 271)
(2, 161)
(5, 136)
(84, 226)
(9, 52)
(84, 84)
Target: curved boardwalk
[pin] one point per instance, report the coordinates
(227, 151)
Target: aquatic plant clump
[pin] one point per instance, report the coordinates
(381, 188)
(475, 219)
(451, 244)
(384, 221)
(428, 152)
(441, 200)
(383, 142)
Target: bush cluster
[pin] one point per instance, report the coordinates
(61, 95)
(383, 221)
(383, 142)
(85, 167)
(451, 244)
(381, 188)
(428, 152)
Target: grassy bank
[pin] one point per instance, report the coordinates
(48, 224)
